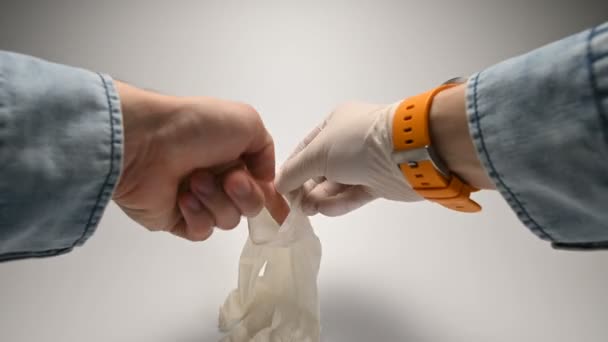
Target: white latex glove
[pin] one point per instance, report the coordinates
(346, 162)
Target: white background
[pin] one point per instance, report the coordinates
(390, 271)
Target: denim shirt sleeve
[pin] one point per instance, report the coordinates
(60, 155)
(540, 125)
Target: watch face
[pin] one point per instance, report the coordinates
(421, 154)
(437, 162)
(456, 80)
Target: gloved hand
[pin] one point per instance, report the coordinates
(346, 162)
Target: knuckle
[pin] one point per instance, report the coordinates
(252, 116)
(249, 111)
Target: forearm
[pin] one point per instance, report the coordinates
(538, 131)
(450, 136)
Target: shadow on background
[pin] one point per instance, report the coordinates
(347, 315)
(199, 326)
(351, 315)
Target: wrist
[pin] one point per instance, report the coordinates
(142, 107)
(449, 130)
(143, 114)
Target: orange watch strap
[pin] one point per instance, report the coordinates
(411, 131)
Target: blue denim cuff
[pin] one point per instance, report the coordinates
(61, 143)
(539, 124)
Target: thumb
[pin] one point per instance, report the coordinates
(259, 157)
(350, 199)
(275, 202)
(307, 161)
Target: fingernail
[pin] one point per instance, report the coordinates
(242, 189)
(205, 185)
(193, 203)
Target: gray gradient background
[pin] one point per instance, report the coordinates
(390, 271)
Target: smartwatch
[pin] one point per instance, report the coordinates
(417, 159)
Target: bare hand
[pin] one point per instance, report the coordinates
(176, 152)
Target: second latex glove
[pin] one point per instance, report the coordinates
(346, 162)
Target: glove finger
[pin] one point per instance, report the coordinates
(304, 165)
(353, 197)
(318, 192)
(307, 139)
(310, 184)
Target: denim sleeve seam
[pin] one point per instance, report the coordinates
(597, 58)
(597, 92)
(507, 192)
(111, 178)
(39, 254)
(595, 31)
